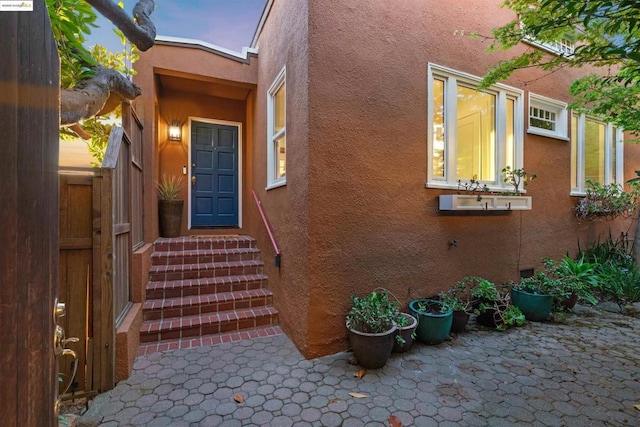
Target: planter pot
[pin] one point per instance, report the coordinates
(460, 320)
(170, 217)
(487, 318)
(372, 350)
(406, 332)
(433, 328)
(568, 303)
(535, 307)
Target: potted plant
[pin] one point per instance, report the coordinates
(458, 297)
(169, 206)
(534, 296)
(371, 328)
(607, 202)
(577, 279)
(406, 333)
(434, 320)
(494, 309)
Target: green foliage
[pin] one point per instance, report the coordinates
(484, 290)
(374, 313)
(458, 297)
(607, 202)
(516, 177)
(606, 33)
(170, 186)
(617, 272)
(474, 186)
(71, 22)
(577, 277)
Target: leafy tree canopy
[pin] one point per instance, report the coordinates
(606, 34)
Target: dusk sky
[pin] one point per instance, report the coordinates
(226, 23)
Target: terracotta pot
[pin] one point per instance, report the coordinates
(568, 303)
(406, 333)
(372, 350)
(170, 217)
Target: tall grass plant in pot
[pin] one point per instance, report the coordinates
(169, 205)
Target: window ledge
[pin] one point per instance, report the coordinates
(493, 190)
(541, 132)
(464, 202)
(577, 193)
(276, 185)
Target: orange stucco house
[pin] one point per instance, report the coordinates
(348, 121)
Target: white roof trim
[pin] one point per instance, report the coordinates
(263, 19)
(243, 56)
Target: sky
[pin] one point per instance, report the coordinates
(226, 23)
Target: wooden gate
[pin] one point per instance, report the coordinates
(101, 223)
(29, 112)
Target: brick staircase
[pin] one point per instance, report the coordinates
(205, 291)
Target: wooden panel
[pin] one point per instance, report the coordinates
(76, 268)
(29, 217)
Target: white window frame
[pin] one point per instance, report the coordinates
(551, 105)
(563, 47)
(580, 189)
(280, 80)
(502, 93)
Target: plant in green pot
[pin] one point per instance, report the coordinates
(434, 320)
(372, 329)
(534, 296)
(169, 204)
(493, 308)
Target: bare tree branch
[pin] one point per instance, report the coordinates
(140, 30)
(89, 96)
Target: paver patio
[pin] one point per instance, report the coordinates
(583, 373)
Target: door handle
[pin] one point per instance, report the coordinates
(193, 181)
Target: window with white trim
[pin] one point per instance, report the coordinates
(547, 117)
(277, 132)
(471, 134)
(562, 47)
(596, 153)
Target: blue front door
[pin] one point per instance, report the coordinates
(214, 175)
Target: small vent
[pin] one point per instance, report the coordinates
(526, 273)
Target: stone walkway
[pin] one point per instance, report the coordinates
(583, 373)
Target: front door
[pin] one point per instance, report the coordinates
(214, 175)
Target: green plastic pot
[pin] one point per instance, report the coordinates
(535, 307)
(433, 328)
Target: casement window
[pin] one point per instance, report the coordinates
(277, 132)
(596, 153)
(547, 117)
(471, 134)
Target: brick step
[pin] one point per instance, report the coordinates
(190, 243)
(207, 324)
(211, 285)
(204, 256)
(208, 340)
(204, 270)
(203, 304)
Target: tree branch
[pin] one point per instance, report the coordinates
(89, 96)
(140, 30)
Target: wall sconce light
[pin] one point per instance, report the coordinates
(175, 131)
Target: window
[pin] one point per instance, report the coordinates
(277, 130)
(471, 134)
(596, 153)
(562, 47)
(547, 117)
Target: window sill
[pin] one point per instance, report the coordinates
(276, 185)
(534, 131)
(463, 202)
(577, 194)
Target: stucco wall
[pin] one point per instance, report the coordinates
(372, 222)
(283, 42)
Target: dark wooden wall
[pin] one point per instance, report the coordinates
(29, 111)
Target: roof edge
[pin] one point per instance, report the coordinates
(263, 19)
(244, 56)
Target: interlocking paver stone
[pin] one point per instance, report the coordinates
(542, 374)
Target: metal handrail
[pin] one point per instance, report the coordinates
(266, 224)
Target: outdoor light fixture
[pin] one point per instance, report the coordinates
(175, 131)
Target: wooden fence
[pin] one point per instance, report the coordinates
(101, 224)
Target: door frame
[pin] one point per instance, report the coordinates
(240, 165)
